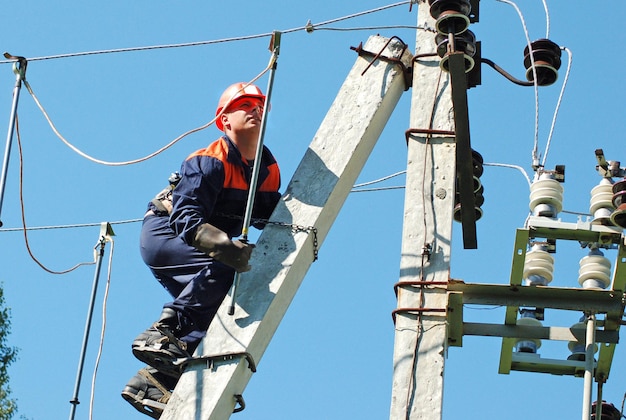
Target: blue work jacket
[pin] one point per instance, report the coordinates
(214, 189)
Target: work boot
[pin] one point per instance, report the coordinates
(149, 391)
(159, 347)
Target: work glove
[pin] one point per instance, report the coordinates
(216, 244)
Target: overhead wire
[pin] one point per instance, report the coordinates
(23, 213)
(558, 104)
(129, 162)
(308, 27)
(534, 156)
(69, 226)
(506, 165)
(547, 11)
(370, 28)
(358, 187)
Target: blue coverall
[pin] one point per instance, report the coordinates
(213, 189)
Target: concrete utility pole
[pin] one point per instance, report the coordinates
(214, 380)
(420, 319)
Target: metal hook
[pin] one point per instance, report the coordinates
(19, 67)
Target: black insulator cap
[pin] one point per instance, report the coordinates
(619, 193)
(465, 43)
(450, 22)
(437, 7)
(547, 58)
(609, 412)
(477, 161)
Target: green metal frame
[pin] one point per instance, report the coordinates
(611, 303)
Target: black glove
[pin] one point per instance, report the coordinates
(216, 244)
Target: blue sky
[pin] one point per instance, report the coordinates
(331, 358)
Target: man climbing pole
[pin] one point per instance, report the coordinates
(187, 241)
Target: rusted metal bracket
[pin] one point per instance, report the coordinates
(417, 310)
(417, 283)
(407, 72)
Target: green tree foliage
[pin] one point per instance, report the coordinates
(8, 406)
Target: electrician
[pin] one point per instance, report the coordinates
(187, 242)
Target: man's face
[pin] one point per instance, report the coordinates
(244, 113)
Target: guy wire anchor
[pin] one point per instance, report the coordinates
(274, 47)
(19, 68)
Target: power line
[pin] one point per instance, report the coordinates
(71, 226)
(308, 28)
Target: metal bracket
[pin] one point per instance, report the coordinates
(464, 165)
(406, 71)
(608, 169)
(210, 360)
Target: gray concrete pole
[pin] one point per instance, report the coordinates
(420, 318)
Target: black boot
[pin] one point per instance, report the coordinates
(149, 391)
(159, 346)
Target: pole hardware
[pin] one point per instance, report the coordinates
(210, 360)
(608, 168)
(105, 235)
(545, 61)
(415, 310)
(406, 71)
(275, 49)
(19, 68)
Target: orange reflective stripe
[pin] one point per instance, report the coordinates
(272, 182)
(233, 176)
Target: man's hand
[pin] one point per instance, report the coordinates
(216, 244)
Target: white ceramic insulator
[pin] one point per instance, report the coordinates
(539, 263)
(546, 191)
(594, 272)
(533, 322)
(579, 346)
(601, 196)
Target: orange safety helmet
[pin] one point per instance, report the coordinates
(233, 92)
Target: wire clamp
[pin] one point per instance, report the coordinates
(19, 67)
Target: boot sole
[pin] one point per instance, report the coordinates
(161, 360)
(148, 407)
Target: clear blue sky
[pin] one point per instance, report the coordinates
(331, 358)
